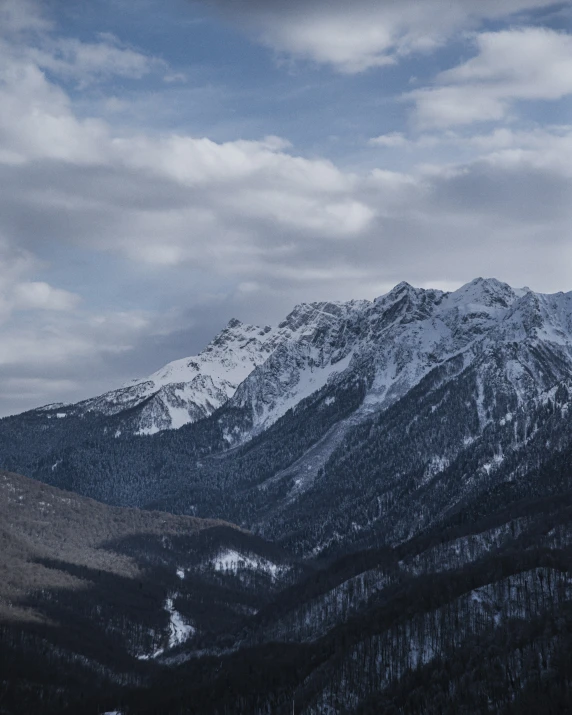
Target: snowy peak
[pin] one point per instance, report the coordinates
(397, 340)
(233, 345)
(543, 317)
(404, 303)
(191, 388)
(235, 333)
(487, 293)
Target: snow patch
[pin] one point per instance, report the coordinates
(435, 466)
(233, 561)
(148, 431)
(179, 631)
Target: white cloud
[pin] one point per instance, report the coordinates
(355, 36)
(34, 348)
(36, 120)
(241, 209)
(66, 57)
(87, 62)
(550, 145)
(22, 16)
(64, 355)
(67, 356)
(17, 293)
(511, 65)
(222, 187)
(394, 139)
(547, 148)
(172, 77)
(37, 295)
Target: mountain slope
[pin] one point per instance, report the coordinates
(473, 616)
(472, 619)
(94, 598)
(361, 414)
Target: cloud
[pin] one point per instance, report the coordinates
(510, 66)
(70, 58)
(394, 139)
(353, 37)
(19, 294)
(36, 119)
(549, 146)
(162, 200)
(88, 62)
(37, 295)
(199, 230)
(67, 354)
(244, 211)
(22, 16)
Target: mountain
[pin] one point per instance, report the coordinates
(358, 415)
(187, 390)
(400, 474)
(399, 338)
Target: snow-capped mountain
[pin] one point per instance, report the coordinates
(402, 390)
(396, 339)
(189, 389)
(413, 452)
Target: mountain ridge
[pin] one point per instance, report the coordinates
(192, 388)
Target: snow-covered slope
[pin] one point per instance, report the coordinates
(393, 396)
(465, 391)
(189, 389)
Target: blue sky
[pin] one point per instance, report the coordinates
(166, 165)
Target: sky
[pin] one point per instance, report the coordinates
(167, 165)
